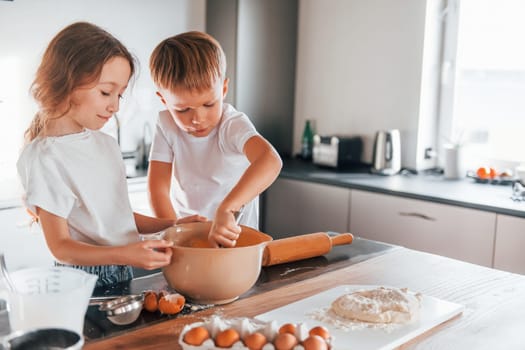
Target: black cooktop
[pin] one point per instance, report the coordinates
(98, 326)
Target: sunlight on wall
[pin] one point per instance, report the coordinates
(10, 110)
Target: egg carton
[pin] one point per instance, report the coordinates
(243, 326)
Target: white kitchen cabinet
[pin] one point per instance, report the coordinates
(23, 244)
(452, 231)
(296, 207)
(510, 240)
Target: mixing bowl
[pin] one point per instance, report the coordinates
(206, 275)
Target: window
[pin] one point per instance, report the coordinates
(482, 104)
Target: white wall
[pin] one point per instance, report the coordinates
(359, 69)
(26, 27)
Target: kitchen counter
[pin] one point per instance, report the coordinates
(491, 299)
(463, 192)
(97, 326)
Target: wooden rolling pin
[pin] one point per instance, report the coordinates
(302, 247)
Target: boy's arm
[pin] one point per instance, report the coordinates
(148, 224)
(265, 165)
(159, 182)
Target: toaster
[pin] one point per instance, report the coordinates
(337, 151)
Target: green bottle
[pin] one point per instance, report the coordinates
(307, 142)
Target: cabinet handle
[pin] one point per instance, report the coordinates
(418, 215)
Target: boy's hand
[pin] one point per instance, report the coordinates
(192, 218)
(224, 231)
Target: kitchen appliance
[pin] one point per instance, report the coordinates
(387, 153)
(337, 151)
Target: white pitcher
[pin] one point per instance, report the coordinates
(49, 297)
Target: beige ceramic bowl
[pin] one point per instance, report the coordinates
(213, 275)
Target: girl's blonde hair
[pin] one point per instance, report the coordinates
(74, 57)
(192, 60)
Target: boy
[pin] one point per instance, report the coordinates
(206, 152)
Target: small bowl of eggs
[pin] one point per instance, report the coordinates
(252, 334)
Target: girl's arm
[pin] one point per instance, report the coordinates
(147, 254)
(265, 165)
(159, 182)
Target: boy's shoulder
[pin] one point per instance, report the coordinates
(230, 113)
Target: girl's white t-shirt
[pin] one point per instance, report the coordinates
(82, 178)
(205, 169)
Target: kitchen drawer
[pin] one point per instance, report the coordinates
(295, 207)
(451, 231)
(510, 240)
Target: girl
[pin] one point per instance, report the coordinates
(72, 173)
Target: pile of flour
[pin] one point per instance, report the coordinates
(385, 308)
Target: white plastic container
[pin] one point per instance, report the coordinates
(54, 297)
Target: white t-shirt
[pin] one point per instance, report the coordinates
(205, 169)
(82, 178)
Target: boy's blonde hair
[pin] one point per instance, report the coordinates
(192, 60)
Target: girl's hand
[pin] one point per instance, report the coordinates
(150, 254)
(224, 231)
(192, 218)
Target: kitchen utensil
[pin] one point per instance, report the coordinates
(54, 297)
(104, 299)
(433, 312)
(123, 310)
(213, 275)
(43, 339)
(238, 215)
(216, 276)
(3, 267)
(387, 152)
(302, 247)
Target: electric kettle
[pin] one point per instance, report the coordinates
(387, 153)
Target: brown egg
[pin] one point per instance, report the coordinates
(320, 331)
(255, 341)
(171, 304)
(314, 342)
(227, 338)
(287, 328)
(196, 336)
(151, 301)
(285, 341)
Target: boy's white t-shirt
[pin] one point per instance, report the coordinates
(82, 178)
(205, 169)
